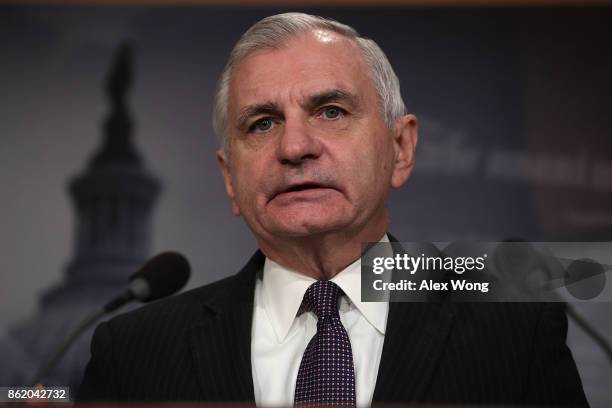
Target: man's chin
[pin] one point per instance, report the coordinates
(305, 227)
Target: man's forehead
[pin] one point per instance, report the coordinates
(303, 67)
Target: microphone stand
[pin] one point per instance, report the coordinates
(597, 337)
(61, 350)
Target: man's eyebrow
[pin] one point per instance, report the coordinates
(332, 95)
(266, 108)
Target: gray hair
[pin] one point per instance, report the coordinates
(272, 32)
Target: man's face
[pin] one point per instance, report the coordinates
(309, 152)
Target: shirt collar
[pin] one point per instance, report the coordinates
(283, 291)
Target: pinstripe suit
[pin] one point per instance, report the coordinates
(196, 346)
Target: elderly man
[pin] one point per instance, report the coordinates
(314, 134)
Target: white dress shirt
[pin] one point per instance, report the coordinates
(279, 336)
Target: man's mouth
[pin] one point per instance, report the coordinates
(300, 189)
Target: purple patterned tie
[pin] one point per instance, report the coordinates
(326, 375)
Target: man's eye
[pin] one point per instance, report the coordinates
(332, 113)
(262, 125)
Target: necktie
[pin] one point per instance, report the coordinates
(326, 375)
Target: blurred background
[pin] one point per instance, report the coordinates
(107, 149)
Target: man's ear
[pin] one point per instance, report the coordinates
(405, 138)
(227, 179)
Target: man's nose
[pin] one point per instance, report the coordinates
(297, 143)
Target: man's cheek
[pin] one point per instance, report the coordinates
(247, 197)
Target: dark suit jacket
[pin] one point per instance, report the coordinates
(197, 346)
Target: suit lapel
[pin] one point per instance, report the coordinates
(414, 341)
(221, 342)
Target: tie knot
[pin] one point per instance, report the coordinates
(322, 298)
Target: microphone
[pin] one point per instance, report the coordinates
(532, 259)
(161, 276)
